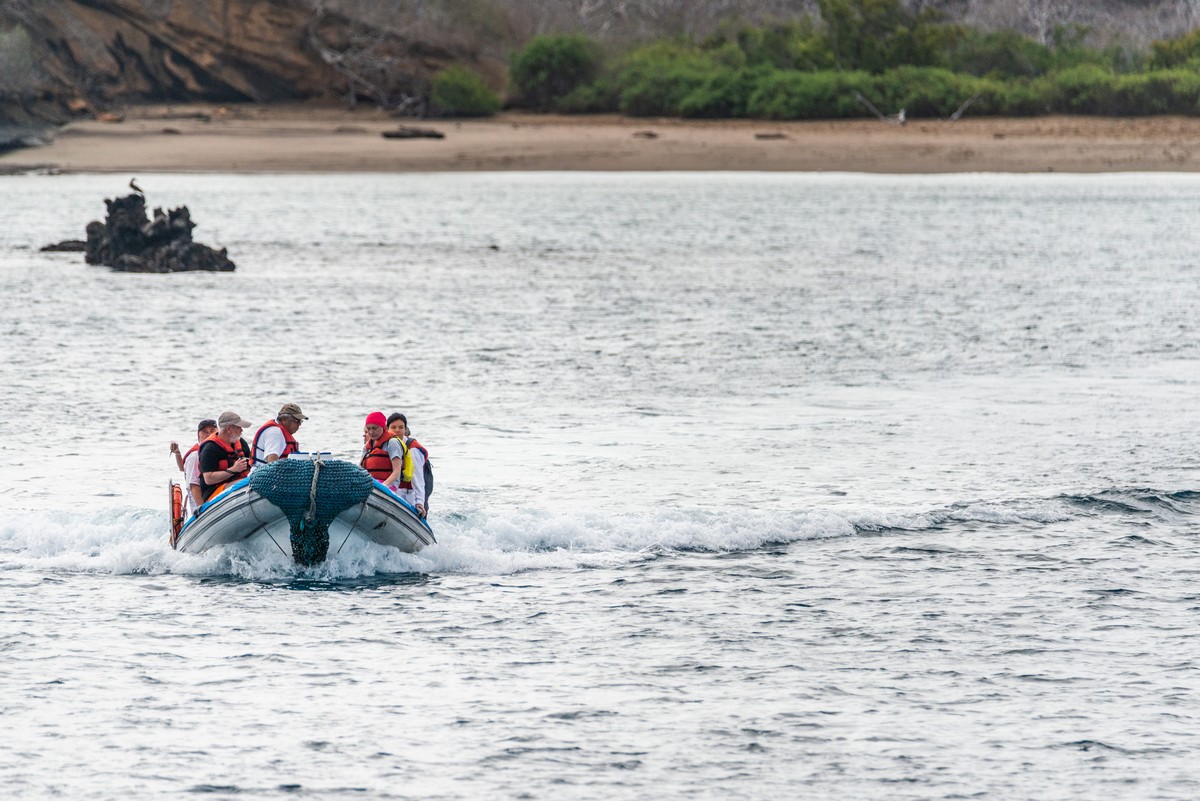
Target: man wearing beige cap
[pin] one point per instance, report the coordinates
(225, 456)
(276, 438)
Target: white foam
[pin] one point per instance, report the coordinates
(475, 542)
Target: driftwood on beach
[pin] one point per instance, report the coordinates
(128, 241)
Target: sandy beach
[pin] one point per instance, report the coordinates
(305, 138)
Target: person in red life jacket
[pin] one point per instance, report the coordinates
(276, 438)
(413, 491)
(191, 463)
(225, 456)
(383, 454)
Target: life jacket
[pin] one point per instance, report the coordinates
(290, 444)
(378, 463)
(192, 450)
(411, 443)
(230, 454)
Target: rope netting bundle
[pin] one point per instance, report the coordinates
(311, 494)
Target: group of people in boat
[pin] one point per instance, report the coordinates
(222, 456)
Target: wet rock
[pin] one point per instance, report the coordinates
(409, 132)
(129, 241)
(65, 246)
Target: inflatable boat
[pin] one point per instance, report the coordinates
(308, 506)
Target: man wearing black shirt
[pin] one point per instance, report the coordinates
(226, 456)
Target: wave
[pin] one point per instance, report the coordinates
(127, 541)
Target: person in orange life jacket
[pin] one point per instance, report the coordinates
(383, 454)
(191, 464)
(225, 456)
(412, 491)
(275, 438)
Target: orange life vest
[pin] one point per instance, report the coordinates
(290, 444)
(192, 450)
(376, 459)
(231, 455)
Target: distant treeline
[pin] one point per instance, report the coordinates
(879, 51)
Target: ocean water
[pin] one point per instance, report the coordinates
(748, 486)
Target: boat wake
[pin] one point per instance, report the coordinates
(134, 542)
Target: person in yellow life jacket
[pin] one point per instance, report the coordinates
(225, 456)
(275, 439)
(384, 455)
(412, 484)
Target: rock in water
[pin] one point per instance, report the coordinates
(128, 241)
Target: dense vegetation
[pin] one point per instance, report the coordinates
(855, 55)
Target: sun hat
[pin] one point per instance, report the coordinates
(233, 419)
(291, 410)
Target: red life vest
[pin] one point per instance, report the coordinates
(231, 455)
(192, 450)
(290, 444)
(376, 459)
(412, 443)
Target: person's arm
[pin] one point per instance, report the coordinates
(197, 495)
(178, 455)
(397, 465)
(418, 481)
(214, 477)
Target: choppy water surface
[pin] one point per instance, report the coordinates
(749, 486)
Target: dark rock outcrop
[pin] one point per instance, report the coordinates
(95, 54)
(130, 242)
(66, 246)
(407, 132)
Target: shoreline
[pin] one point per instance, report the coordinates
(323, 139)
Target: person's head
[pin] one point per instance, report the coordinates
(374, 425)
(397, 424)
(231, 426)
(290, 417)
(206, 429)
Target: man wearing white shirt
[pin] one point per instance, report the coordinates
(275, 439)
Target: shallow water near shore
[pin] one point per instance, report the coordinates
(748, 486)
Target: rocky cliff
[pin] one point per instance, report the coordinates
(89, 55)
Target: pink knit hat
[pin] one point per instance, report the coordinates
(376, 419)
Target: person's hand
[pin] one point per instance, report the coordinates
(241, 464)
(421, 511)
(175, 447)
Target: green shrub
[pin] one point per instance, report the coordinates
(654, 80)
(459, 92)
(874, 35)
(795, 95)
(786, 46)
(551, 67)
(935, 92)
(997, 53)
(724, 93)
(1159, 92)
(1089, 89)
(1179, 52)
(593, 98)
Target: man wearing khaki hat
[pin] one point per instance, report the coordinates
(224, 457)
(276, 439)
